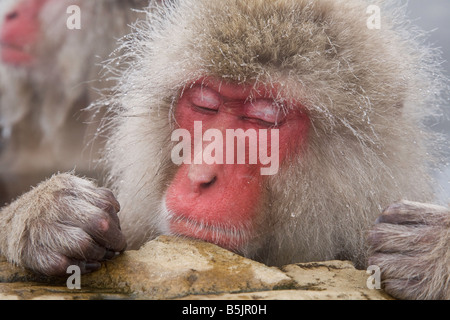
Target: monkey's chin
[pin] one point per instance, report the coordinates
(229, 237)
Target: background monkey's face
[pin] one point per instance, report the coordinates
(20, 32)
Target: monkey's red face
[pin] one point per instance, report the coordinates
(218, 201)
(20, 32)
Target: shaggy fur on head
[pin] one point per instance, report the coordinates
(366, 93)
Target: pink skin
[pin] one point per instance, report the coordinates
(219, 202)
(20, 32)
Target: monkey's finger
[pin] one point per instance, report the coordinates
(48, 262)
(403, 276)
(88, 250)
(431, 219)
(108, 203)
(392, 266)
(401, 219)
(105, 231)
(402, 288)
(88, 266)
(76, 244)
(389, 238)
(102, 228)
(406, 212)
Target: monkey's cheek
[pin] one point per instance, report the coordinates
(15, 56)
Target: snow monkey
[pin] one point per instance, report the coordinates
(48, 67)
(337, 105)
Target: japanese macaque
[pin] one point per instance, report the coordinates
(50, 54)
(339, 106)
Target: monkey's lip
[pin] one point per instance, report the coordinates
(13, 54)
(229, 237)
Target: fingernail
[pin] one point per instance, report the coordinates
(92, 266)
(109, 255)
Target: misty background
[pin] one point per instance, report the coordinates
(433, 16)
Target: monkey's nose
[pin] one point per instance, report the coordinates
(202, 177)
(12, 15)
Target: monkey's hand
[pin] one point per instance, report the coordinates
(64, 221)
(411, 244)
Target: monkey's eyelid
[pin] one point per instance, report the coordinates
(266, 114)
(205, 110)
(262, 122)
(206, 103)
(204, 97)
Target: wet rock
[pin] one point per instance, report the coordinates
(176, 268)
(332, 280)
(173, 267)
(329, 280)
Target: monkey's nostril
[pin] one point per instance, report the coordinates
(12, 15)
(206, 185)
(202, 177)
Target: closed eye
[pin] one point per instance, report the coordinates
(204, 100)
(262, 122)
(205, 110)
(265, 112)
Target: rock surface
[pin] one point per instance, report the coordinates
(175, 268)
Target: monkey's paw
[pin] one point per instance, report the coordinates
(410, 244)
(65, 221)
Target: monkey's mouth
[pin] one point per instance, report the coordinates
(226, 236)
(15, 55)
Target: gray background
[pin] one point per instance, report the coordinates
(434, 16)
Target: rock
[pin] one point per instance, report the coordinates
(177, 268)
(49, 291)
(330, 280)
(168, 268)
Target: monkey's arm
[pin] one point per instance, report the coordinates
(64, 221)
(411, 244)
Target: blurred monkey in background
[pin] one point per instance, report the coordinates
(50, 54)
